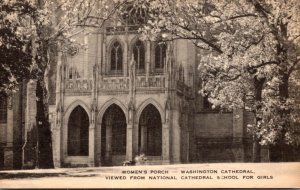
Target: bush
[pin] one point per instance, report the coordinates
(141, 159)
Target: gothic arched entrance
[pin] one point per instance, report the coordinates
(78, 133)
(113, 136)
(150, 132)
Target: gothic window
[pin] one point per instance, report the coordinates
(73, 73)
(160, 55)
(3, 110)
(139, 55)
(116, 57)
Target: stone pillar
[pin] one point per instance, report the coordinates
(98, 140)
(108, 148)
(129, 139)
(176, 137)
(166, 143)
(92, 145)
(238, 133)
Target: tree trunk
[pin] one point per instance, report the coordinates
(44, 141)
(256, 147)
(277, 150)
(44, 138)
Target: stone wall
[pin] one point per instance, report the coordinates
(213, 137)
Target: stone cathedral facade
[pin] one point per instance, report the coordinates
(118, 97)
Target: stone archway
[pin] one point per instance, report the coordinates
(113, 136)
(150, 132)
(78, 133)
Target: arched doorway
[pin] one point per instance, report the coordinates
(78, 133)
(113, 136)
(150, 132)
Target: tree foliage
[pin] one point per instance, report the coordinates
(15, 55)
(252, 53)
(39, 29)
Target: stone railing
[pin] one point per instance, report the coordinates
(114, 83)
(157, 81)
(115, 30)
(78, 85)
(112, 30)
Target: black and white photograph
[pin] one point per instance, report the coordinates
(149, 93)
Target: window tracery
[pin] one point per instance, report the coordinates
(160, 55)
(116, 57)
(139, 55)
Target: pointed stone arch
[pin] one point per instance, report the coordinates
(72, 106)
(145, 104)
(78, 132)
(150, 131)
(66, 117)
(133, 41)
(107, 105)
(113, 40)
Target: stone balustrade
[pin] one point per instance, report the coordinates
(121, 83)
(157, 81)
(114, 83)
(78, 85)
(111, 30)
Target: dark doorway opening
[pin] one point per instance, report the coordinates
(78, 133)
(113, 136)
(150, 132)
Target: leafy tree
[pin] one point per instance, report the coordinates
(48, 27)
(252, 53)
(15, 55)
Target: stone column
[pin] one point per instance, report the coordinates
(98, 160)
(132, 129)
(129, 139)
(166, 143)
(92, 145)
(238, 133)
(176, 137)
(108, 148)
